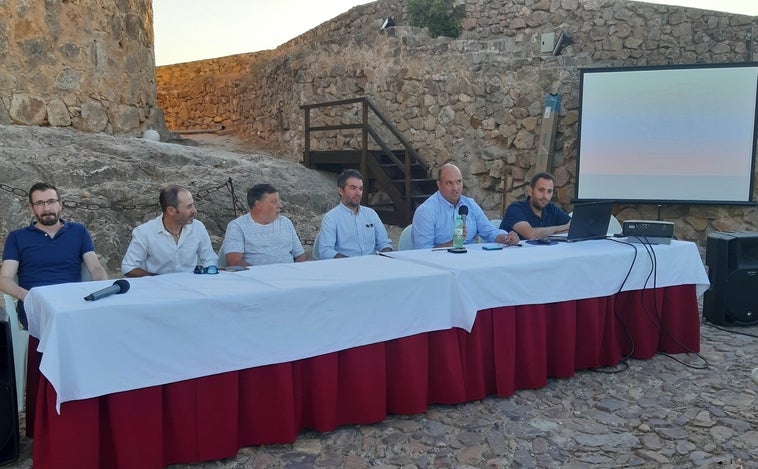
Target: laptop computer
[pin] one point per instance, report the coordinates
(589, 221)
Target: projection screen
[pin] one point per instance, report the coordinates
(675, 134)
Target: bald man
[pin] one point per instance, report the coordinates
(434, 220)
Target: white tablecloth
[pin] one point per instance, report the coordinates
(541, 274)
(182, 326)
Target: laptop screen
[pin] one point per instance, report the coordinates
(588, 221)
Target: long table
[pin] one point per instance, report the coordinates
(426, 343)
(181, 326)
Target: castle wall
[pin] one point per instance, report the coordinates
(84, 64)
(478, 100)
(205, 94)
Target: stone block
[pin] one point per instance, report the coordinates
(497, 168)
(93, 117)
(524, 140)
(57, 113)
(68, 80)
(27, 110)
(5, 118)
(124, 119)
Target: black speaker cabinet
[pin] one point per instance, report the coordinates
(9, 436)
(732, 260)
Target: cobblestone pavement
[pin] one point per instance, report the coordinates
(656, 413)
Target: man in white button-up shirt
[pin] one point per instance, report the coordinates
(172, 242)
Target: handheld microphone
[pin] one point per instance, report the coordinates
(118, 287)
(463, 211)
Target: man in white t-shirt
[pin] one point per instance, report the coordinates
(262, 236)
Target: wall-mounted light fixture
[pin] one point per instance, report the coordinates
(563, 40)
(551, 45)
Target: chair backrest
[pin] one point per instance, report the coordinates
(316, 244)
(405, 243)
(614, 227)
(221, 262)
(20, 339)
(86, 276)
(496, 222)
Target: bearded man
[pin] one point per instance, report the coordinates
(174, 241)
(350, 229)
(49, 251)
(536, 216)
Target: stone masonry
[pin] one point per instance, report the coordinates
(81, 64)
(476, 100)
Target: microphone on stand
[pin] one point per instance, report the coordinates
(458, 243)
(118, 287)
(463, 211)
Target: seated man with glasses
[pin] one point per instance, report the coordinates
(47, 252)
(172, 242)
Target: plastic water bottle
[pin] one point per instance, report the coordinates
(458, 233)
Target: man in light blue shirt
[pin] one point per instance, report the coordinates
(350, 229)
(434, 220)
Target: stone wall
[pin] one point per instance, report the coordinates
(88, 65)
(478, 100)
(205, 94)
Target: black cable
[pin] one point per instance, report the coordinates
(653, 273)
(624, 359)
(624, 364)
(655, 318)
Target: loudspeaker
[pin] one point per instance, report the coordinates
(732, 261)
(9, 436)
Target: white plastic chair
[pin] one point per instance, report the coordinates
(20, 339)
(316, 244)
(614, 227)
(496, 222)
(405, 243)
(221, 262)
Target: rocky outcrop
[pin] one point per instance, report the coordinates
(111, 184)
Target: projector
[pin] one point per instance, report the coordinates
(648, 231)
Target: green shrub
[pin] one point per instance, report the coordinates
(440, 16)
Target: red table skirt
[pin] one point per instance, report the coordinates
(212, 417)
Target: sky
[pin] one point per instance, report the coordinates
(187, 30)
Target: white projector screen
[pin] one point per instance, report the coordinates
(675, 134)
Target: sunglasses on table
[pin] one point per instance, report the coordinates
(211, 269)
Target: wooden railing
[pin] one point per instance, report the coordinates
(373, 154)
